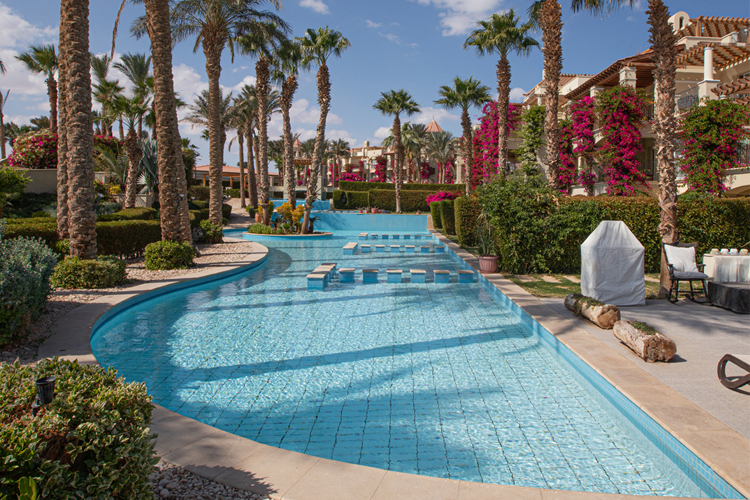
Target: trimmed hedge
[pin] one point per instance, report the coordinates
(447, 217)
(369, 186)
(196, 216)
(140, 213)
(466, 212)
(126, 238)
(199, 192)
(364, 186)
(93, 441)
(167, 255)
(411, 201)
(201, 204)
(235, 193)
(102, 272)
(453, 188)
(226, 210)
(19, 228)
(437, 221)
(354, 199)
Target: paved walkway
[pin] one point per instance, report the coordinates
(703, 335)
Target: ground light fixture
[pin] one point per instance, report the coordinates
(45, 389)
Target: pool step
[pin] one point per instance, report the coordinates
(350, 248)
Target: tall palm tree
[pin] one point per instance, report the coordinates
(501, 35)
(550, 21)
(318, 46)
(2, 67)
(62, 145)
(105, 91)
(200, 115)
(132, 110)
(215, 24)
(238, 122)
(395, 103)
(41, 59)
(441, 148)
(339, 148)
(3, 102)
(262, 42)
(74, 34)
(464, 94)
(288, 61)
(136, 68)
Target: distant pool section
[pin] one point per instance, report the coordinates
(380, 223)
(317, 204)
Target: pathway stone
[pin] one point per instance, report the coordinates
(550, 279)
(572, 278)
(525, 278)
(652, 280)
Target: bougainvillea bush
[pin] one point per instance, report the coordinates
(621, 113)
(36, 150)
(583, 120)
(566, 174)
(440, 196)
(381, 168)
(485, 141)
(711, 134)
(348, 176)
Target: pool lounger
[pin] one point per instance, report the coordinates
(369, 275)
(465, 276)
(395, 248)
(409, 248)
(350, 248)
(365, 248)
(394, 275)
(417, 275)
(442, 276)
(424, 249)
(380, 248)
(362, 236)
(439, 248)
(316, 281)
(346, 275)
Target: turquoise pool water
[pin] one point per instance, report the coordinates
(439, 380)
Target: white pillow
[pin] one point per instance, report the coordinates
(681, 258)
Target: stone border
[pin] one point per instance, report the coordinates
(283, 474)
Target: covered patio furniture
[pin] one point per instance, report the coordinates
(683, 267)
(743, 362)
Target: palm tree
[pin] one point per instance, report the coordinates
(339, 148)
(396, 102)
(105, 92)
(288, 61)
(74, 46)
(2, 67)
(3, 102)
(216, 24)
(41, 59)
(262, 42)
(136, 68)
(441, 148)
(132, 110)
(413, 140)
(249, 110)
(318, 46)
(199, 115)
(464, 94)
(238, 122)
(502, 35)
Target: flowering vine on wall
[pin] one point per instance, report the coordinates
(582, 118)
(566, 174)
(485, 141)
(381, 168)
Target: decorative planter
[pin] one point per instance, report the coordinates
(258, 218)
(488, 264)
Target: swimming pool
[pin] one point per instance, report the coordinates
(440, 380)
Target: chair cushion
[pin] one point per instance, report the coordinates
(690, 275)
(681, 258)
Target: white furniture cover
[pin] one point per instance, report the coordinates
(612, 265)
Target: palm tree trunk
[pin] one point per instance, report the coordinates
(52, 93)
(80, 156)
(174, 210)
(503, 103)
(62, 145)
(551, 24)
(287, 94)
(324, 101)
(468, 153)
(2, 131)
(261, 88)
(134, 158)
(663, 41)
(241, 144)
(251, 169)
(397, 170)
(213, 70)
(122, 130)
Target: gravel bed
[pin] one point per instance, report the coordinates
(170, 481)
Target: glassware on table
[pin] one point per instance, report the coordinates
(724, 251)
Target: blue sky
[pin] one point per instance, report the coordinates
(412, 44)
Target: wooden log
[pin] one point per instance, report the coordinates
(601, 314)
(646, 342)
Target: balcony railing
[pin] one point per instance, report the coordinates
(743, 153)
(687, 99)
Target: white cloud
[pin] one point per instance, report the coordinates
(316, 5)
(305, 134)
(382, 132)
(460, 16)
(438, 114)
(18, 78)
(372, 24)
(517, 94)
(19, 32)
(301, 112)
(391, 38)
(188, 82)
(341, 134)
(248, 80)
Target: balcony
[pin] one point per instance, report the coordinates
(743, 153)
(687, 99)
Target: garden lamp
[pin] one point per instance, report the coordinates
(45, 388)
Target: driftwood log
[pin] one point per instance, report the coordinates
(602, 315)
(649, 345)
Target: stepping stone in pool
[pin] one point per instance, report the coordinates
(409, 248)
(396, 236)
(362, 236)
(369, 275)
(332, 269)
(417, 236)
(442, 276)
(365, 248)
(374, 236)
(439, 248)
(346, 275)
(395, 248)
(407, 236)
(324, 270)
(350, 248)
(385, 237)
(417, 275)
(424, 249)
(465, 276)
(316, 281)
(428, 236)
(380, 248)
(394, 275)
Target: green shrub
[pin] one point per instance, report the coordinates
(259, 228)
(140, 213)
(199, 192)
(92, 441)
(75, 273)
(26, 265)
(364, 186)
(108, 207)
(12, 184)
(453, 188)
(250, 211)
(447, 217)
(437, 222)
(196, 216)
(126, 238)
(235, 193)
(467, 211)
(28, 203)
(35, 150)
(212, 233)
(61, 248)
(368, 186)
(350, 200)
(40, 214)
(45, 228)
(200, 204)
(411, 201)
(166, 255)
(226, 210)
